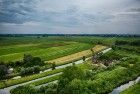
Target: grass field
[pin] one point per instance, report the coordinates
(45, 53)
(28, 47)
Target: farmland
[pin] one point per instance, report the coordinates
(45, 53)
(77, 55)
(39, 60)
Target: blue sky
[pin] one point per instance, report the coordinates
(70, 16)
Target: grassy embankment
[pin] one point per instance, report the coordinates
(135, 89)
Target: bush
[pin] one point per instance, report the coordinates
(121, 42)
(76, 86)
(30, 70)
(23, 90)
(3, 71)
(11, 82)
(110, 56)
(70, 73)
(30, 61)
(49, 89)
(135, 43)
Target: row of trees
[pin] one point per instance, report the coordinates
(29, 70)
(132, 43)
(28, 65)
(28, 61)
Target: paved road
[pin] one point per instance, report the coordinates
(7, 89)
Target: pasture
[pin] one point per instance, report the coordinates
(43, 48)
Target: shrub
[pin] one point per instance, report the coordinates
(3, 71)
(30, 70)
(23, 90)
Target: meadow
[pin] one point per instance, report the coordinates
(43, 48)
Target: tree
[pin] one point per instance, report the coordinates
(70, 73)
(84, 58)
(27, 58)
(36, 61)
(30, 61)
(121, 42)
(53, 65)
(3, 71)
(76, 86)
(73, 72)
(92, 51)
(51, 89)
(30, 70)
(93, 56)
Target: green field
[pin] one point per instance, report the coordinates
(46, 50)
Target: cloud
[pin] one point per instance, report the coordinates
(70, 16)
(16, 11)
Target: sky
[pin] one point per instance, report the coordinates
(69, 16)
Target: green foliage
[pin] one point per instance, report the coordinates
(49, 89)
(89, 74)
(103, 82)
(23, 90)
(46, 80)
(110, 56)
(135, 89)
(29, 61)
(11, 82)
(53, 65)
(76, 87)
(30, 70)
(121, 42)
(70, 73)
(135, 43)
(84, 58)
(3, 71)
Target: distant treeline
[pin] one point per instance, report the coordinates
(68, 35)
(132, 43)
